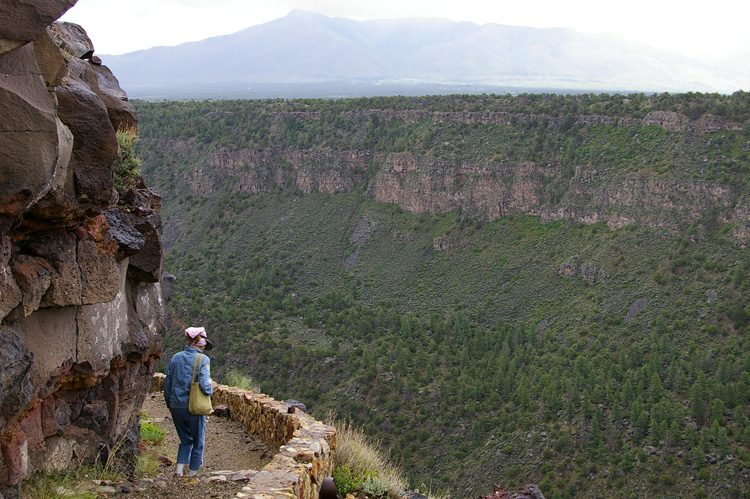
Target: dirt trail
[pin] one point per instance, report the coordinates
(229, 447)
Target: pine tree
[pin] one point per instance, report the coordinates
(699, 399)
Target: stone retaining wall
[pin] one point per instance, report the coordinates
(305, 446)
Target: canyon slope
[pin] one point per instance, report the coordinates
(506, 289)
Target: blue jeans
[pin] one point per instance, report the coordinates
(192, 432)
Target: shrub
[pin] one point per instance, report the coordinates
(129, 169)
(152, 432)
(361, 465)
(345, 479)
(374, 487)
(667, 479)
(704, 474)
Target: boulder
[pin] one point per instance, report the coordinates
(121, 112)
(49, 59)
(72, 39)
(146, 265)
(15, 456)
(33, 275)
(129, 240)
(138, 341)
(95, 147)
(167, 285)
(48, 334)
(295, 405)
(7, 46)
(124, 390)
(58, 453)
(49, 425)
(100, 275)
(102, 329)
(149, 307)
(530, 491)
(59, 204)
(94, 416)
(24, 21)
(86, 443)
(143, 198)
(32, 145)
(31, 426)
(65, 285)
(570, 268)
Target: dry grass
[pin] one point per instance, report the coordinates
(365, 464)
(241, 380)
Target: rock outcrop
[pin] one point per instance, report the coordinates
(530, 491)
(484, 189)
(81, 303)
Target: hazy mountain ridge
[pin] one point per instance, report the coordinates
(310, 48)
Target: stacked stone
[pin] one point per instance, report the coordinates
(306, 446)
(81, 305)
(260, 414)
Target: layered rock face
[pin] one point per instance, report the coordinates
(480, 189)
(81, 304)
(423, 184)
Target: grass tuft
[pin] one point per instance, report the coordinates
(361, 465)
(240, 380)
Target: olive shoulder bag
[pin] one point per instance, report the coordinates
(199, 403)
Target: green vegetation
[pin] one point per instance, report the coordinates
(361, 466)
(147, 462)
(82, 481)
(152, 432)
(55, 485)
(77, 483)
(236, 378)
(129, 168)
(482, 363)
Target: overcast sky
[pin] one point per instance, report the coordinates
(710, 31)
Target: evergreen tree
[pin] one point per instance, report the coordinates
(699, 400)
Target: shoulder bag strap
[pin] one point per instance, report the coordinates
(193, 380)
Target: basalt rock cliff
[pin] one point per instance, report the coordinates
(81, 303)
(480, 188)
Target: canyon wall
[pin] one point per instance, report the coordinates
(81, 300)
(485, 191)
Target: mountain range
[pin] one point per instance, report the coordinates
(311, 54)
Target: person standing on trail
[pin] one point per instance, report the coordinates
(190, 428)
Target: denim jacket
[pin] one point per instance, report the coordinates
(179, 371)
